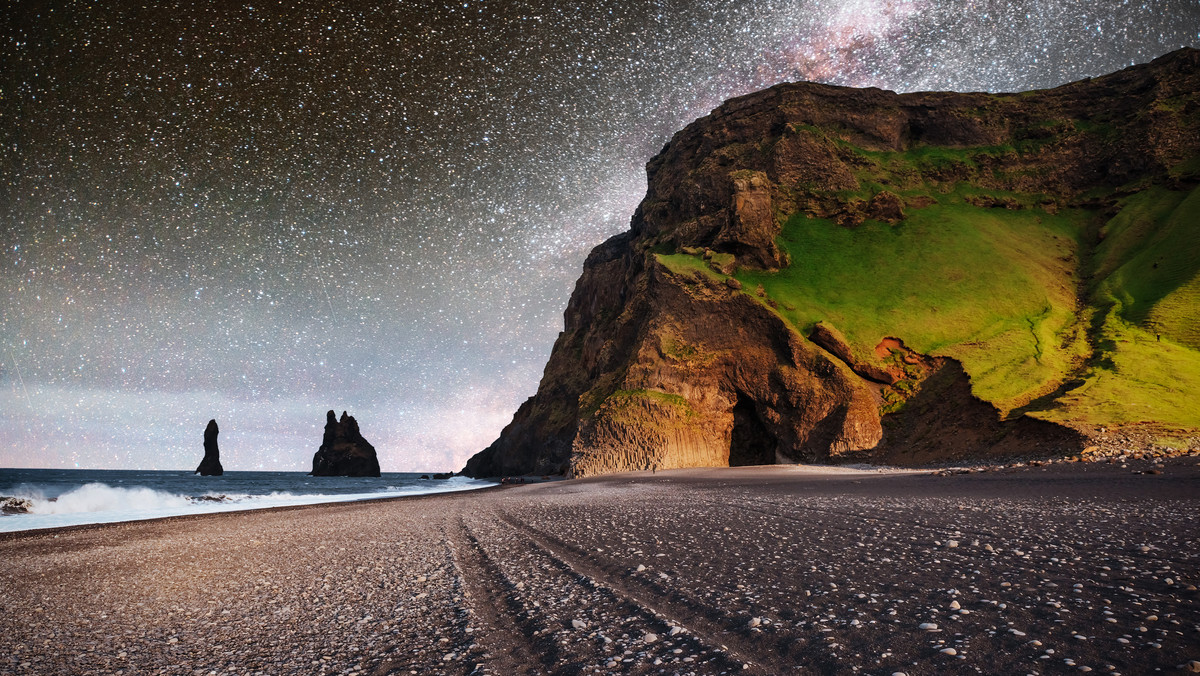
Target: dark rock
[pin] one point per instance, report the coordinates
(211, 464)
(15, 505)
(442, 476)
(344, 451)
(887, 207)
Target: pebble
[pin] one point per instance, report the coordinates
(954, 605)
(928, 626)
(579, 624)
(650, 637)
(948, 651)
(1193, 666)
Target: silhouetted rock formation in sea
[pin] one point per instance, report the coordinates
(344, 451)
(211, 464)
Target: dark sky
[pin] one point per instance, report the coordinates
(260, 211)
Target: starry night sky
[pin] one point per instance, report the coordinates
(261, 211)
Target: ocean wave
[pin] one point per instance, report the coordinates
(98, 497)
(27, 507)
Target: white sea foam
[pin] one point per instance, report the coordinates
(99, 497)
(102, 503)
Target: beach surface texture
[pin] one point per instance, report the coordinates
(762, 570)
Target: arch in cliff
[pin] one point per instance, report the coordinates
(750, 442)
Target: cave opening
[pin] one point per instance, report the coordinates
(750, 443)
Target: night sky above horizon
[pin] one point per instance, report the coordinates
(260, 211)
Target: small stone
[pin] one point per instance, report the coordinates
(928, 626)
(675, 630)
(948, 651)
(951, 544)
(1193, 667)
(754, 622)
(650, 637)
(579, 624)
(954, 605)
(640, 568)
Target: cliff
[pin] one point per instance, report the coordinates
(210, 465)
(823, 274)
(344, 451)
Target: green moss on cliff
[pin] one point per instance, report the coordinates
(991, 287)
(629, 407)
(998, 289)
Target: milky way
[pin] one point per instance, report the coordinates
(258, 212)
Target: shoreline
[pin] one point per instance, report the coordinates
(1071, 466)
(11, 534)
(756, 570)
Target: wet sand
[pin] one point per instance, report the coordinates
(1057, 569)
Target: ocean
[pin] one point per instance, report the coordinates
(51, 498)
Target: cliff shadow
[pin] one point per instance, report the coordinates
(946, 422)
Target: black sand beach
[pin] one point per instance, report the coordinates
(1060, 569)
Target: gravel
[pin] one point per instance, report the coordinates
(748, 570)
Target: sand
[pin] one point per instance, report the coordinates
(752, 570)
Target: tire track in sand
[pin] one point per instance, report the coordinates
(708, 625)
(505, 635)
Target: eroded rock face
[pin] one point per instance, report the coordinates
(344, 451)
(663, 365)
(211, 464)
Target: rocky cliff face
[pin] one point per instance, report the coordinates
(344, 451)
(211, 464)
(684, 347)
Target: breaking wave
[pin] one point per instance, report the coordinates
(99, 497)
(27, 507)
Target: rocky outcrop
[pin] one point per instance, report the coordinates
(667, 361)
(211, 464)
(344, 451)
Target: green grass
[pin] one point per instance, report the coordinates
(1149, 264)
(1146, 293)
(1137, 379)
(687, 265)
(990, 287)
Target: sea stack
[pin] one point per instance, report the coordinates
(344, 451)
(211, 464)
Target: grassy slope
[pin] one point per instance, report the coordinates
(1147, 296)
(991, 287)
(997, 290)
